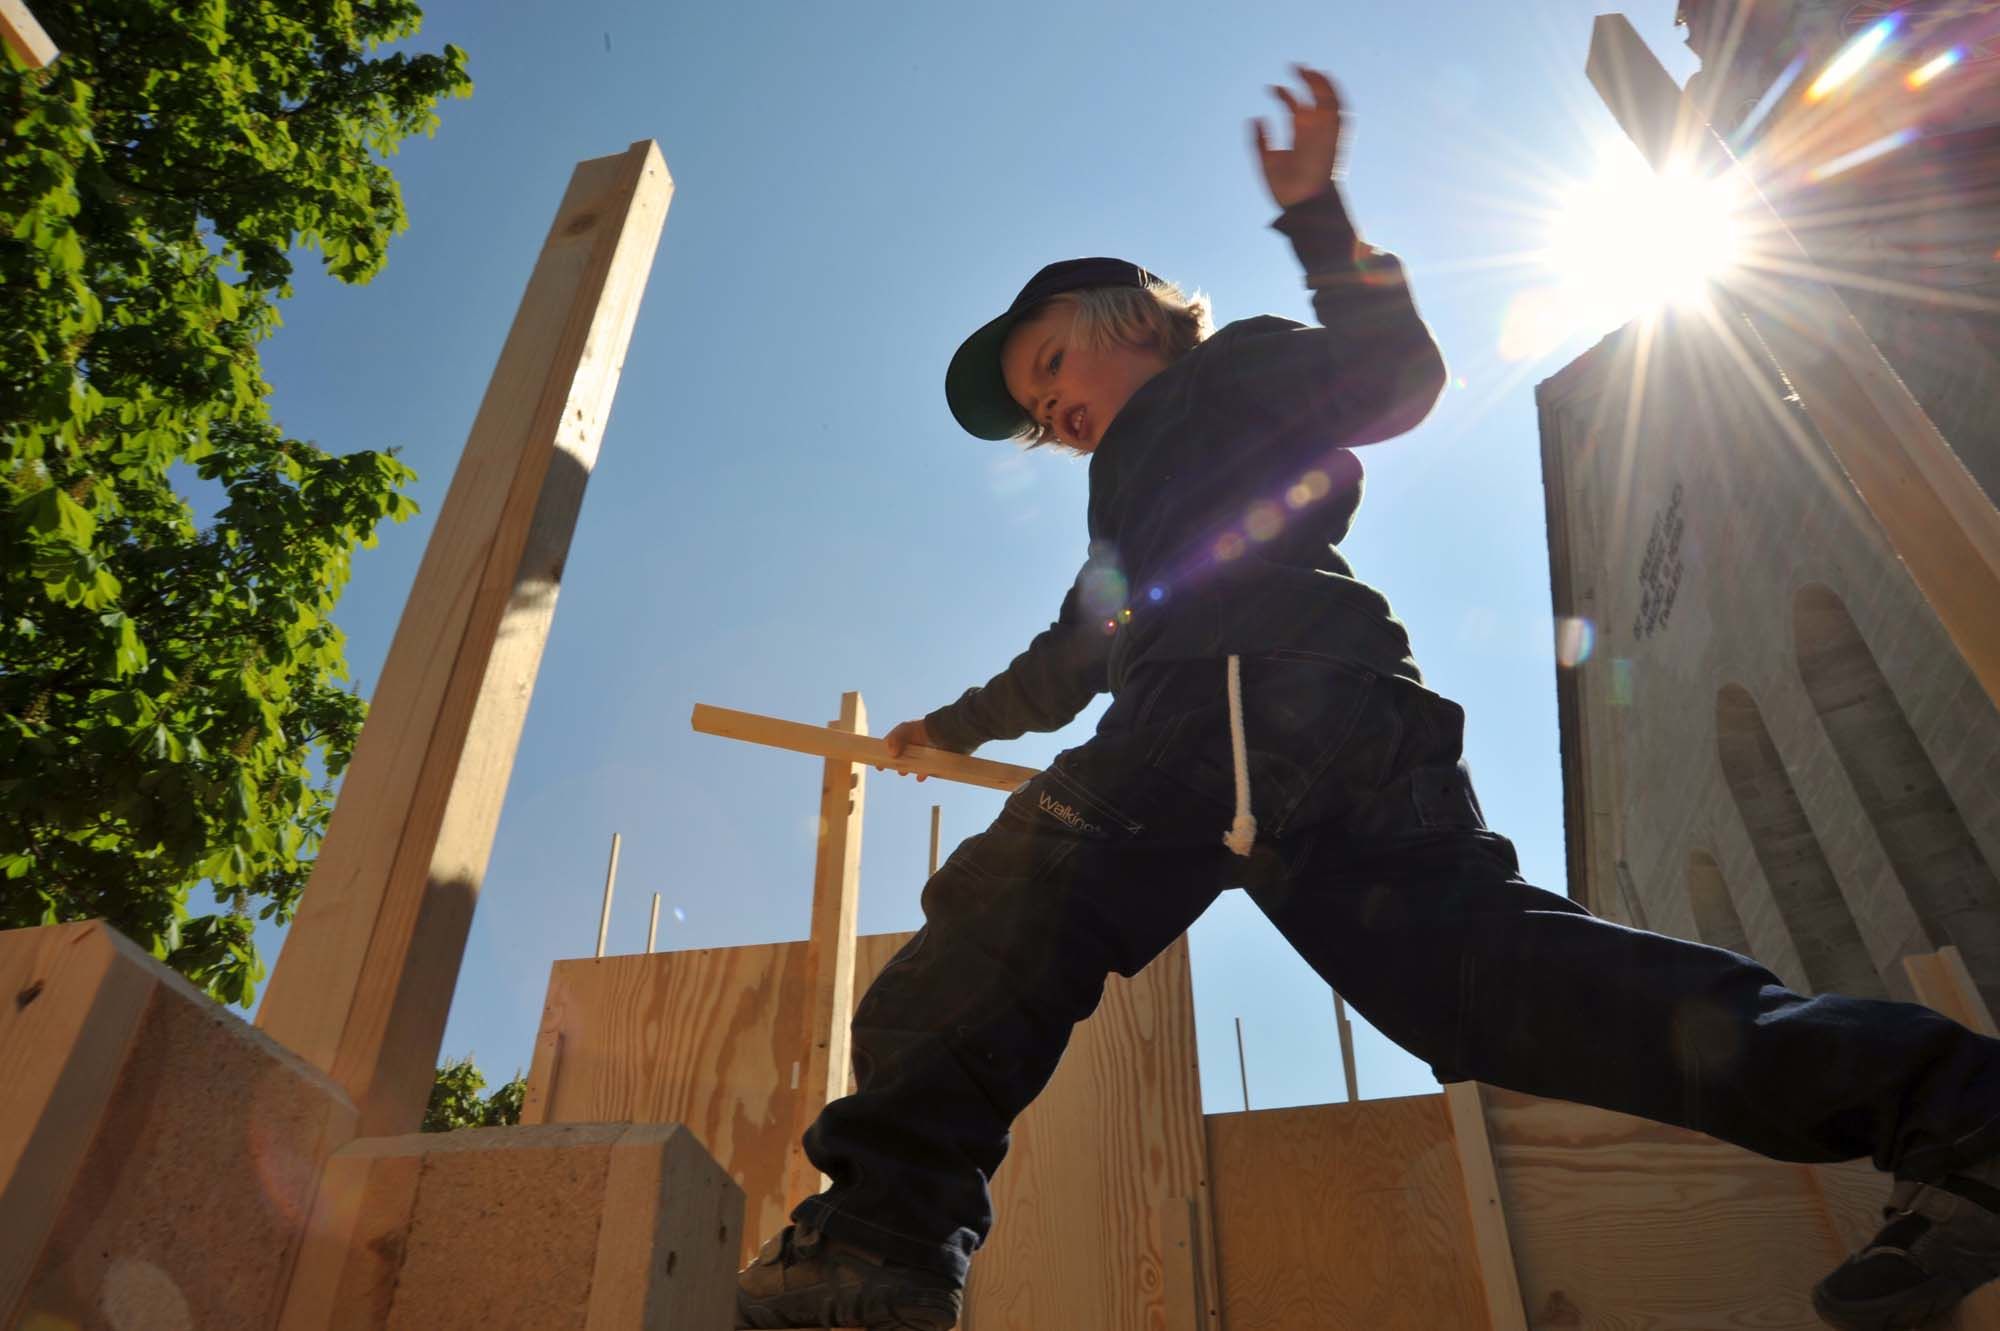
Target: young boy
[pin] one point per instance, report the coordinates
(1269, 729)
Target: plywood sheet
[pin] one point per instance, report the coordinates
(713, 1038)
(1619, 1224)
(1347, 1217)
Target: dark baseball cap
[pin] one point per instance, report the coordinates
(974, 386)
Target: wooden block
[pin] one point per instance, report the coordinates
(363, 985)
(157, 1154)
(592, 1227)
(1350, 1217)
(1491, 1245)
(24, 36)
(830, 946)
(918, 761)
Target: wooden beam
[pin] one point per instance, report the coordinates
(830, 946)
(825, 743)
(366, 977)
(24, 36)
(1934, 514)
(1490, 1240)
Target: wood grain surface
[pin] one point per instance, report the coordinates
(1619, 1224)
(1347, 1217)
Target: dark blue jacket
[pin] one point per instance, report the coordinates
(1220, 491)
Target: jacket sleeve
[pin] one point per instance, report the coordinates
(1043, 689)
(1370, 372)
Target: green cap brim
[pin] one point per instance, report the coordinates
(976, 390)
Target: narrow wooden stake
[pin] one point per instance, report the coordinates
(653, 927)
(366, 977)
(1346, 1032)
(830, 948)
(1934, 515)
(25, 37)
(1242, 1065)
(610, 881)
(937, 817)
(732, 724)
(1490, 1241)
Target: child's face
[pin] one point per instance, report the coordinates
(1072, 390)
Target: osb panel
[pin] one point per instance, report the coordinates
(711, 1038)
(1347, 1217)
(1620, 1224)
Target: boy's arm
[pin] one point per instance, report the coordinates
(1044, 688)
(1371, 371)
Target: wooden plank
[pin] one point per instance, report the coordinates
(799, 738)
(363, 985)
(345, 1278)
(1942, 982)
(1344, 1217)
(830, 946)
(542, 1072)
(24, 36)
(1610, 1214)
(1117, 1134)
(1934, 515)
(1490, 1242)
(68, 1014)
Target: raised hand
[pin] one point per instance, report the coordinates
(1296, 174)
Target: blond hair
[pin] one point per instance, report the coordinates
(1156, 317)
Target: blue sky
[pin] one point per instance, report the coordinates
(783, 508)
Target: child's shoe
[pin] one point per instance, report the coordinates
(1941, 1242)
(802, 1278)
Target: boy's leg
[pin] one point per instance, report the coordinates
(1092, 867)
(1437, 941)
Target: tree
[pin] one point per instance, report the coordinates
(172, 709)
(455, 1101)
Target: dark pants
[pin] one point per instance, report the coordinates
(1374, 862)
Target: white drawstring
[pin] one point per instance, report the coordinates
(1242, 832)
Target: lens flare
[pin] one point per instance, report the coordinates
(1852, 59)
(1265, 521)
(1575, 637)
(1888, 143)
(1935, 66)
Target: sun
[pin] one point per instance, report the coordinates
(1630, 240)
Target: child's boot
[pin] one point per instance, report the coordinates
(1941, 1242)
(803, 1278)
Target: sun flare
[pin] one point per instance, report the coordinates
(1630, 240)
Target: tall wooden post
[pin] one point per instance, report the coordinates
(1932, 512)
(830, 949)
(366, 977)
(24, 36)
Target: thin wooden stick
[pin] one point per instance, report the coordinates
(826, 743)
(653, 929)
(20, 31)
(1242, 1065)
(610, 880)
(937, 816)
(1346, 1047)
